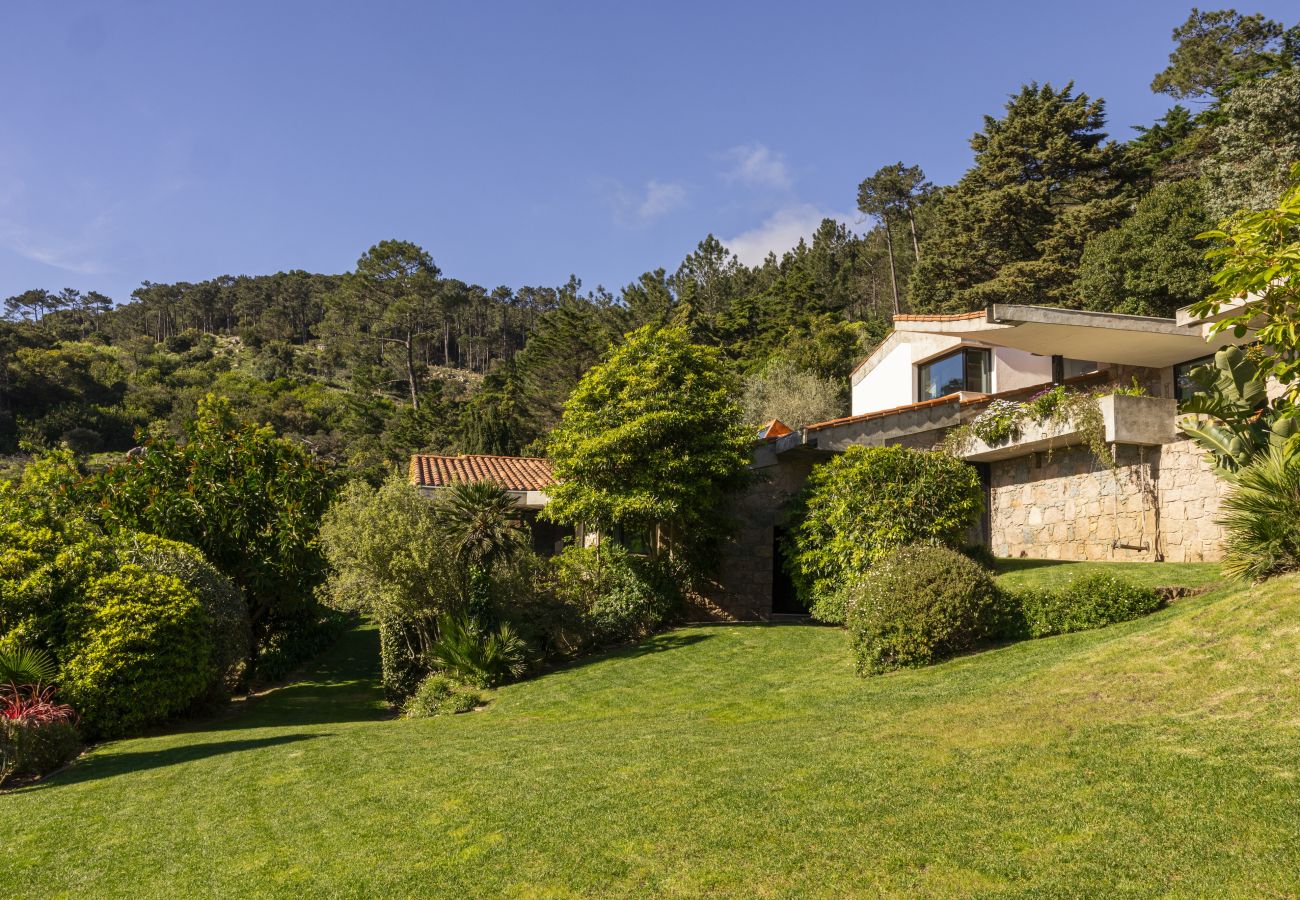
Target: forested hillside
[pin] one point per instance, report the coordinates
(396, 355)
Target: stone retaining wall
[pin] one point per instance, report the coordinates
(1070, 506)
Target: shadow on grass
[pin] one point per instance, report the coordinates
(1003, 566)
(343, 685)
(108, 765)
(659, 643)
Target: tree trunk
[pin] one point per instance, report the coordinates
(893, 276)
(410, 374)
(916, 244)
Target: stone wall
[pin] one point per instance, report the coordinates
(1067, 505)
(1190, 493)
(1070, 506)
(744, 583)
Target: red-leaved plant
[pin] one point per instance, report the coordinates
(26, 696)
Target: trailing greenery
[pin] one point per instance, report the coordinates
(1055, 407)
(859, 507)
(1261, 517)
(439, 695)
(919, 605)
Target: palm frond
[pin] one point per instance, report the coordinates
(26, 665)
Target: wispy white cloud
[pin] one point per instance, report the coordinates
(781, 231)
(77, 254)
(652, 202)
(757, 166)
(660, 199)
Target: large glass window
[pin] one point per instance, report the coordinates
(964, 370)
(1184, 386)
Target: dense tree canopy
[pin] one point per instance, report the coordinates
(1045, 180)
(651, 437)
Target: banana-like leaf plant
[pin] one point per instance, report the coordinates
(1231, 415)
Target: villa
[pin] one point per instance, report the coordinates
(1046, 495)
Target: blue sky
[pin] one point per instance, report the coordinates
(517, 142)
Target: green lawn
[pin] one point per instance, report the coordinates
(1156, 757)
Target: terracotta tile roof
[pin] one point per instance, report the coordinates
(955, 317)
(772, 430)
(513, 473)
(880, 413)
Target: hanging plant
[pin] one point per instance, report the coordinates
(1003, 421)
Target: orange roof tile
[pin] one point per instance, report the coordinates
(954, 317)
(513, 473)
(773, 430)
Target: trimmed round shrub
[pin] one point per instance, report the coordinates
(867, 502)
(232, 633)
(1089, 601)
(143, 652)
(439, 695)
(621, 597)
(919, 605)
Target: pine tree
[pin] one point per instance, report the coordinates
(1045, 180)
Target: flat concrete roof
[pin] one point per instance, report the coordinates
(1078, 334)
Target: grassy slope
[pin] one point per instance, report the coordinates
(1156, 756)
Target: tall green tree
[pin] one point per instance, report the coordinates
(1151, 264)
(388, 309)
(651, 437)
(1045, 180)
(1256, 142)
(1219, 49)
(892, 195)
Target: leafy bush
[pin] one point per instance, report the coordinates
(391, 562)
(31, 748)
(920, 605)
(1089, 601)
(482, 656)
(143, 653)
(862, 505)
(620, 597)
(439, 695)
(227, 610)
(1262, 517)
(251, 501)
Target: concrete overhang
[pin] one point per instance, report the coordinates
(1079, 334)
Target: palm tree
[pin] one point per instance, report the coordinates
(480, 523)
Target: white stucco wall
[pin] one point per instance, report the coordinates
(889, 380)
(1013, 369)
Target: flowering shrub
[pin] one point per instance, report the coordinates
(999, 423)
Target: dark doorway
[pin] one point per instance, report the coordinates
(784, 599)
